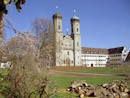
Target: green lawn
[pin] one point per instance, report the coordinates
(64, 82)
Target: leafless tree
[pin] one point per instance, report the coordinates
(43, 28)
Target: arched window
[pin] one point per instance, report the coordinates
(68, 53)
(59, 27)
(77, 30)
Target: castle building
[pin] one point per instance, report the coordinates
(68, 50)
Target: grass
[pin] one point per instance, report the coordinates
(3, 71)
(64, 81)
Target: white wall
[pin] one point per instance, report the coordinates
(97, 60)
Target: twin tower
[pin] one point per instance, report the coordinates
(67, 49)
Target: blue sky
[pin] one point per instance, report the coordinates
(103, 23)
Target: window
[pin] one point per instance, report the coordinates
(64, 61)
(77, 30)
(77, 43)
(59, 27)
(68, 53)
(72, 62)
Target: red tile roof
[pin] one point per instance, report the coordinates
(86, 50)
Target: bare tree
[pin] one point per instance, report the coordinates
(43, 28)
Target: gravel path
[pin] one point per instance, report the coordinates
(79, 74)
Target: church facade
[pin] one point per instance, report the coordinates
(67, 49)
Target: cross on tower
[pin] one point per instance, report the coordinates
(56, 9)
(75, 12)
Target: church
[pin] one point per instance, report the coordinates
(67, 49)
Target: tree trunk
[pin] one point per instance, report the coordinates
(1, 30)
(1, 21)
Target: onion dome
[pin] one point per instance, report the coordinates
(57, 15)
(75, 17)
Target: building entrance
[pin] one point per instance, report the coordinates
(68, 62)
(91, 65)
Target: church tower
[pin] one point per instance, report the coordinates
(58, 35)
(75, 34)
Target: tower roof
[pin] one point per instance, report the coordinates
(75, 17)
(57, 15)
